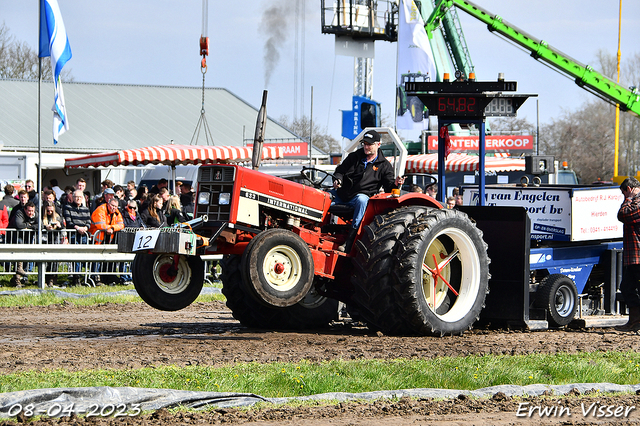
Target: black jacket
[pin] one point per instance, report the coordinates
(356, 180)
(151, 222)
(175, 216)
(132, 223)
(22, 221)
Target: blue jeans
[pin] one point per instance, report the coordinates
(358, 202)
(76, 238)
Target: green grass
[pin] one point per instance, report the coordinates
(306, 378)
(49, 298)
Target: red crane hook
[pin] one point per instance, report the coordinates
(204, 51)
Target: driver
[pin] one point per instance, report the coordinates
(359, 177)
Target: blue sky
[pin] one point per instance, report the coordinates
(155, 42)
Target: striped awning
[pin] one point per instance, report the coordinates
(172, 155)
(428, 163)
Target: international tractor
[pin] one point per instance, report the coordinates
(414, 268)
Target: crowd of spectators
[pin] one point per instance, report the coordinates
(73, 216)
(451, 202)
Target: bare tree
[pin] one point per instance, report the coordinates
(19, 61)
(511, 125)
(629, 157)
(585, 138)
(629, 148)
(321, 139)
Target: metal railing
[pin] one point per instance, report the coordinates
(69, 253)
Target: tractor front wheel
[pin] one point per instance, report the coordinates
(312, 311)
(277, 267)
(168, 282)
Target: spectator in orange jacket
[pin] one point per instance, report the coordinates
(106, 218)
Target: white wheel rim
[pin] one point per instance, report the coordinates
(167, 282)
(465, 253)
(564, 301)
(435, 294)
(282, 268)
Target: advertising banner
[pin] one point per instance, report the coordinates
(502, 143)
(564, 214)
(291, 150)
(595, 213)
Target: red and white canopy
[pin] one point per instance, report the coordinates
(428, 163)
(172, 155)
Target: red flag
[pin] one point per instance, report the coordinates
(444, 134)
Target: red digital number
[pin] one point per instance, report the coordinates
(451, 104)
(471, 106)
(462, 104)
(459, 104)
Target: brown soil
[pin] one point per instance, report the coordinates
(134, 335)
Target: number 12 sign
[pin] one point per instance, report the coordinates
(146, 239)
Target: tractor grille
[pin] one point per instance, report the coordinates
(215, 180)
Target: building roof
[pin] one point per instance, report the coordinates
(108, 117)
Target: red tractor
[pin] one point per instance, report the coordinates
(415, 268)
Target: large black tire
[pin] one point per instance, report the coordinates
(558, 295)
(313, 311)
(417, 109)
(164, 289)
(426, 304)
(277, 268)
(373, 298)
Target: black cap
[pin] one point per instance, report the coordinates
(371, 137)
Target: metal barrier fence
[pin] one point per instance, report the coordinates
(68, 253)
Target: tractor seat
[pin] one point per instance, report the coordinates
(342, 210)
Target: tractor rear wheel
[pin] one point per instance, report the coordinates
(441, 274)
(313, 311)
(373, 298)
(165, 284)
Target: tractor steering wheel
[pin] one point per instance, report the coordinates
(319, 183)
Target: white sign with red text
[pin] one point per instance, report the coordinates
(504, 143)
(595, 214)
(291, 150)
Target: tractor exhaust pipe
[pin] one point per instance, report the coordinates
(193, 223)
(258, 140)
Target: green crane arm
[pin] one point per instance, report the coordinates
(456, 43)
(584, 75)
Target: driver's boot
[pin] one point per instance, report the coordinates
(634, 320)
(346, 246)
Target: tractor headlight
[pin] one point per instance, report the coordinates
(204, 197)
(224, 199)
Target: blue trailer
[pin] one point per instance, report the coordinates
(555, 253)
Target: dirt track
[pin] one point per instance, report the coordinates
(76, 338)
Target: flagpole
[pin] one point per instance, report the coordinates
(41, 265)
(39, 184)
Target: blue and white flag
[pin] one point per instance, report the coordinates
(415, 63)
(54, 43)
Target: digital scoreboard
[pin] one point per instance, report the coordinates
(468, 99)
